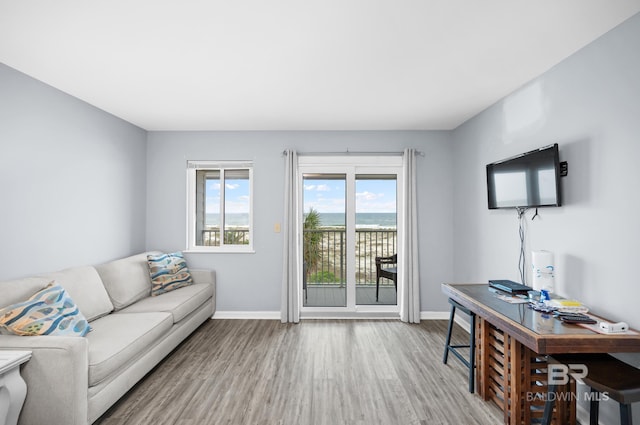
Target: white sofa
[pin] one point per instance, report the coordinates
(74, 380)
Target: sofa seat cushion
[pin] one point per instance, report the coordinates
(118, 339)
(179, 302)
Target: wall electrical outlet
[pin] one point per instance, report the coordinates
(276, 228)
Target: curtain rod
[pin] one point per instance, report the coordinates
(348, 152)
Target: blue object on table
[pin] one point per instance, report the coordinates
(544, 295)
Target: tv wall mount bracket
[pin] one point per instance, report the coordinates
(564, 169)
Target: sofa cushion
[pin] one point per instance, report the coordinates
(49, 311)
(85, 287)
(126, 280)
(179, 303)
(168, 272)
(18, 290)
(119, 339)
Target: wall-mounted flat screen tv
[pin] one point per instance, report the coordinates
(529, 180)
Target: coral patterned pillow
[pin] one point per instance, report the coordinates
(168, 272)
(50, 311)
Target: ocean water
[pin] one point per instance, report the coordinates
(363, 220)
(231, 219)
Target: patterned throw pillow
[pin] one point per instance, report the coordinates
(168, 272)
(50, 311)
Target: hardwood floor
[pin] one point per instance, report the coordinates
(331, 372)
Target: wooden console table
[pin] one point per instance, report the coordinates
(512, 342)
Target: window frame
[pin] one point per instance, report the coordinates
(192, 168)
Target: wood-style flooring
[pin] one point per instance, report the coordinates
(333, 372)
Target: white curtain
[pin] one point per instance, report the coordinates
(289, 306)
(410, 293)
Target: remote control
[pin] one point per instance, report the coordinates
(574, 319)
(560, 314)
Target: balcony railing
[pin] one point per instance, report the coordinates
(331, 266)
(211, 237)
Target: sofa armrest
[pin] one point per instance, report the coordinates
(206, 276)
(56, 376)
(203, 276)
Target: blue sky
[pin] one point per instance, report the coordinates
(328, 196)
(236, 196)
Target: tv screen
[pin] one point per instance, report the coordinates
(529, 180)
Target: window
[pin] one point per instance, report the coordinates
(220, 206)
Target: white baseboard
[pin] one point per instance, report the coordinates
(434, 315)
(247, 315)
(275, 315)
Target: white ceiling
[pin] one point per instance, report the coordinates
(297, 64)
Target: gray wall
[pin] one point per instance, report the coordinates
(590, 105)
(72, 180)
(251, 282)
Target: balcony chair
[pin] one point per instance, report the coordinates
(386, 272)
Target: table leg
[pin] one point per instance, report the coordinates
(482, 358)
(13, 391)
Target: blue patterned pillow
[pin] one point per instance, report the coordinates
(168, 272)
(50, 311)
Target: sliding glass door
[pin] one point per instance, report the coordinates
(376, 210)
(349, 233)
(324, 240)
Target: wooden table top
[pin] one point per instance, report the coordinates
(540, 332)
